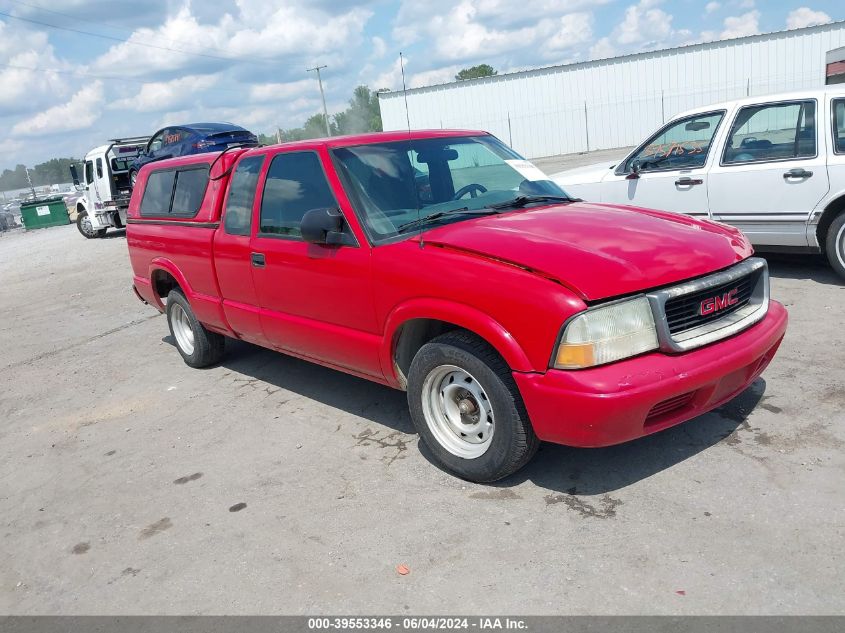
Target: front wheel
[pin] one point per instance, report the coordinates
(467, 409)
(133, 176)
(83, 224)
(198, 346)
(835, 245)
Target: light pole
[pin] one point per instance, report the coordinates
(322, 96)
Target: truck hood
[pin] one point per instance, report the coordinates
(585, 175)
(598, 251)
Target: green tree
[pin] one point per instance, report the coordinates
(474, 72)
(362, 115)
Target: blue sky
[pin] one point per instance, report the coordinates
(140, 65)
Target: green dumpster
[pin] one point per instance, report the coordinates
(39, 214)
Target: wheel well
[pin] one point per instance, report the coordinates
(80, 208)
(163, 283)
(830, 214)
(415, 333)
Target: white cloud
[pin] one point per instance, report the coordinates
(470, 30)
(804, 16)
(741, 25)
(644, 22)
(260, 33)
(165, 95)
(81, 112)
(379, 47)
(602, 49)
(435, 76)
(712, 7)
(282, 91)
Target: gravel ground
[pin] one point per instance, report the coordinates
(130, 483)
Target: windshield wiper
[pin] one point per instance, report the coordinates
(521, 201)
(433, 217)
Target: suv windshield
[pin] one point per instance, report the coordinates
(393, 185)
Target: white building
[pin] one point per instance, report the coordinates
(616, 102)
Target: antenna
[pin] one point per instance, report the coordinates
(410, 143)
(405, 92)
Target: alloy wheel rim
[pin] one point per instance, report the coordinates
(457, 411)
(87, 227)
(182, 329)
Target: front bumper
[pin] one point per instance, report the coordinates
(632, 398)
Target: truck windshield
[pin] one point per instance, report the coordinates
(393, 184)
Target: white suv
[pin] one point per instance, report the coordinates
(771, 166)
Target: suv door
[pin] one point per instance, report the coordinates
(772, 172)
(316, 301)
(668, 171)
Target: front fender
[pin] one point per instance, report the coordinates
(459, 314)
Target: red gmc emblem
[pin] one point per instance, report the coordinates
(715, 304)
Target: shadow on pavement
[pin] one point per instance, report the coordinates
(812, 267)
(573, 471)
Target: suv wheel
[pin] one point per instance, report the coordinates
(835, 245)
(467, 409)
(198, 346)
(133, 176)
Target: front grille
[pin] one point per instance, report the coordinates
(684, 313)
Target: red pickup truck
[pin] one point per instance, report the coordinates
(443, 264)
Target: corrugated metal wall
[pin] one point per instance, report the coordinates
(617, 102)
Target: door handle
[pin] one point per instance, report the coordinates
(257, 260)
(798, 173)
(686, 181)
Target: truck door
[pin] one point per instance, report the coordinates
(316, 301)
(671, 166)
(232, 252)
(772, 172)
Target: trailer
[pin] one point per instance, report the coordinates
(105, 176)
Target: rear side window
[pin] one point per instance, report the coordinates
(190, 191)
(175, 192)
(772, 132)
(295, 184)
(99, 168)
(238, 215)
(158, 192)
(839, 125)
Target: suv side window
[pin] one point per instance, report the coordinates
(155, 143)
(295, 184)
(772, 132)
(684, 144)
(839, 126)
(237, 218)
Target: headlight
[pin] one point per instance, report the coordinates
(606, 334)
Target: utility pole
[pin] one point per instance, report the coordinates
(317, 69)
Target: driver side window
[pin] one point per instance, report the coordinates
(684, 144)
(155, 143)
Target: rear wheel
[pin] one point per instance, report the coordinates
(133, 176)
(467, 409)
(83, 224)
(835, 245)
(198, 346)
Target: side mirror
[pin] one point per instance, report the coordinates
(74, 175)
(324, 226)
(635, 171)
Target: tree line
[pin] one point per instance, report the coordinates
(51, 172)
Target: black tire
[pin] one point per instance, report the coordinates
(207, 346)
(83, 225)
(835, 245)
(513, 441)
(133, 175)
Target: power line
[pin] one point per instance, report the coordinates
(105, 24)
(126, 41)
